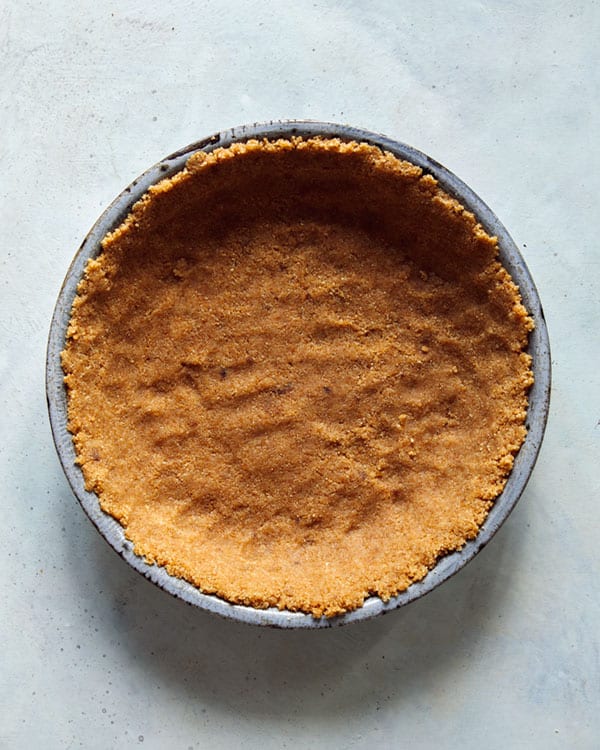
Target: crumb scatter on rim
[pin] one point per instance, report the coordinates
(297, 374)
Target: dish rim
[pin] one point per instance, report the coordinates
(539, 394)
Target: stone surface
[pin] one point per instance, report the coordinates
(503, 655)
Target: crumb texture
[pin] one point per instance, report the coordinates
(297, 374)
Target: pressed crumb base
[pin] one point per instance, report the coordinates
(297, 374)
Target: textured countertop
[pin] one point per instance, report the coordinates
(504, 655)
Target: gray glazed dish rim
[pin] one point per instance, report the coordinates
(447, 565)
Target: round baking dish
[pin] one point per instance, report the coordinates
(539, 395)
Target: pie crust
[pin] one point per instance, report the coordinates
(297, 374)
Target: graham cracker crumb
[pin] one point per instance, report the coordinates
(297, 374)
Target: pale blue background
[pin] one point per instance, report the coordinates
(506, 95)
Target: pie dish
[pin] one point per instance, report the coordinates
(298, 374)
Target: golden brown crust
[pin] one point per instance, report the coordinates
(297, 374)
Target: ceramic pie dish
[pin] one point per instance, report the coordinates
(538, 395)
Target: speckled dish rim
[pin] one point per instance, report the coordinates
(539, 396)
